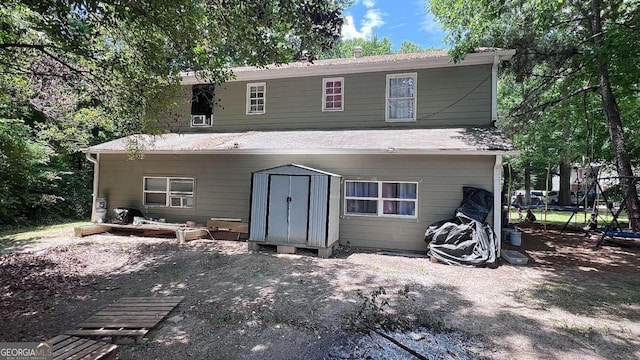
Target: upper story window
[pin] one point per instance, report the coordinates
(168, 192)
(202, 105)
(381, 198)
(401, 97)
(256, 98)
(333, 94)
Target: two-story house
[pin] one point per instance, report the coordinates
(398, 135)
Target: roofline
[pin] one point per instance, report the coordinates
(390, 151)
(275, 72)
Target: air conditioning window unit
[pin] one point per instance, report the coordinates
(200, 120)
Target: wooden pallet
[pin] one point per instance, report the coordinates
(72, 348)
(151, 229)
(131, 317)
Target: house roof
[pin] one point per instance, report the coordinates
(449, 141)
(393, 62)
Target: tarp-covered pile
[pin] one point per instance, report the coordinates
(467, 239)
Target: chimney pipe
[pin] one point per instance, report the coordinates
(357, 52)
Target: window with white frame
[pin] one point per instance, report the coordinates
(256, 98)
(333, 94)
(173, 192)
(401, 94)
(381, 198)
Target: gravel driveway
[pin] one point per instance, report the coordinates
(570, 302)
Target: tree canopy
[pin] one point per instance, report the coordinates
(575, 68)
(75, 73)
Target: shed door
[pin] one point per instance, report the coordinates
(288, 209)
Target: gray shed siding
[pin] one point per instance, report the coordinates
(223, 188)
(319, 193)
(258, 224)
(451, 96)
(318, 211)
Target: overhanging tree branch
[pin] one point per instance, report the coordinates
(557, 101)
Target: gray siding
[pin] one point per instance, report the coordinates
(452, 96)
(223, 187)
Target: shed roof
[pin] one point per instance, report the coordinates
(471, 141)
(307, 169)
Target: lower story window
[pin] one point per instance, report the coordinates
(168, 192)
(381, 198)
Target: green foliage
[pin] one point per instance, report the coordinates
(407, 47)
(24, 175)
(77, 73)
(553, 73)
(343, 48)
(574, 79)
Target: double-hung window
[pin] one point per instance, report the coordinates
(401, 97)
(333, 94)
(381, 198)
(172, 192)
(256, 98)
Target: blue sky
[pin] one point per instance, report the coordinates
(396, 19)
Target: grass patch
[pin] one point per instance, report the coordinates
(36, 232)
(587, 332)
(561, 217)
(616, 298)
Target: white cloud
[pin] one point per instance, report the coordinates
(430, 25)
(369, 3)
(349, 30)
(372, 19)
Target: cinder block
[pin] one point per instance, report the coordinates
(286, 249)
(325, 252)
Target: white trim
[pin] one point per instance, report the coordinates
(494, 88)
(361, 65)
(169, 195)
(324, 94)
(413, 75)
(497, 201)
(264, 98)
(208, 121)
(96, 183)
(380, 199)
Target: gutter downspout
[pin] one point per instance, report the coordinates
(494, 89)
(497, 202)
(96, 170)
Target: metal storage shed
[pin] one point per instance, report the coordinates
(295, 206)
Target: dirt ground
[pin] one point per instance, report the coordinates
(571, 300)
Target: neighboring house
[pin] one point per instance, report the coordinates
(404, 132)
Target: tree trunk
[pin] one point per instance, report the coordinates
(564, 195)
(506, 197)
(616, 130)
(527, 184)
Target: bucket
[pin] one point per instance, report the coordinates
(506, 233)
(181, 235)
(101, 215)
(516, 238)
(101, 210)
